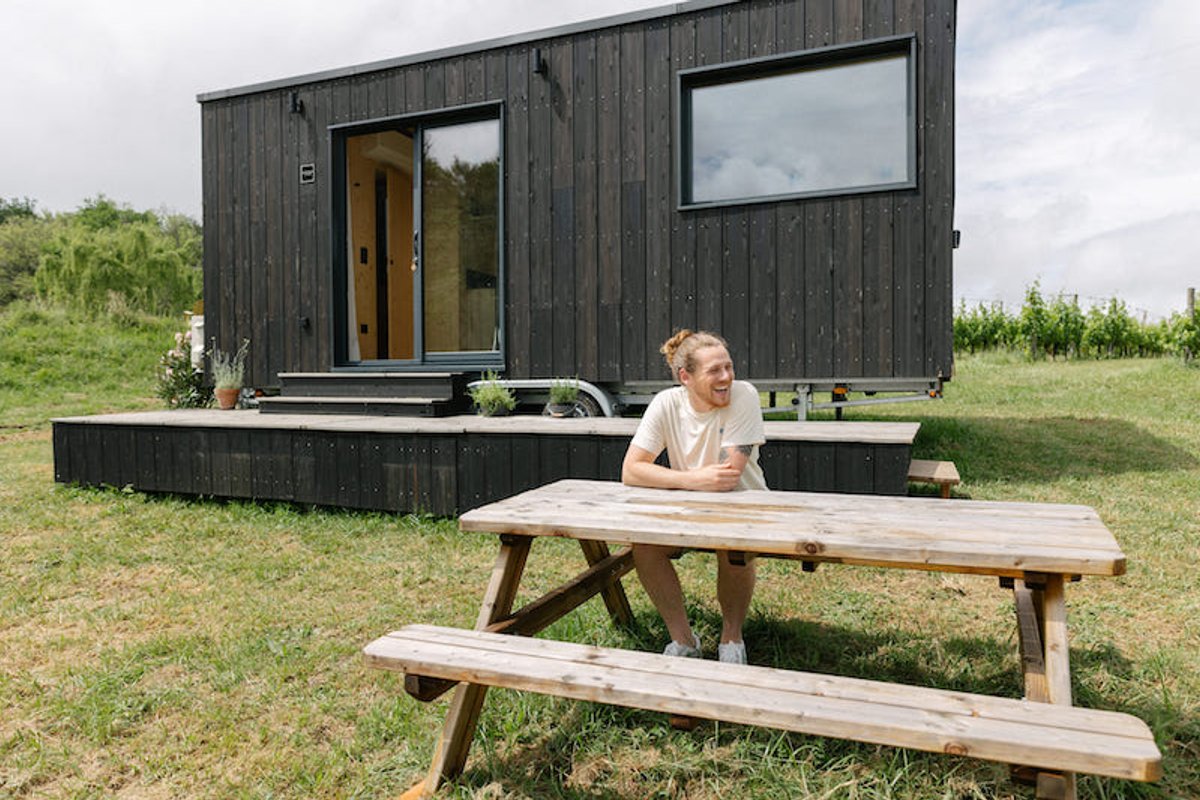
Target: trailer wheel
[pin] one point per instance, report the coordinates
(588, 406)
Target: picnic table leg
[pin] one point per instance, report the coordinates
(450, 756)
(614, 594)
(1057, 664)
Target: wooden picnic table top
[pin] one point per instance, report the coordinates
(971, 536)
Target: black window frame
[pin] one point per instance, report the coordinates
(770, 66)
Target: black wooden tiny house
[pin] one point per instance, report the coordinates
(556, 204)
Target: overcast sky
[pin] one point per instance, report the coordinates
(1078, 125)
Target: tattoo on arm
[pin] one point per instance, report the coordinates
(744, 449)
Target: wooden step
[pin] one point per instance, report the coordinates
(941, 473)
(995, 729)
(371, 406)
(436, 385)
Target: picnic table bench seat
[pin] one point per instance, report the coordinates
(1035, 734)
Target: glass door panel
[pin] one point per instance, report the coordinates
(460, 235)
(379, 224)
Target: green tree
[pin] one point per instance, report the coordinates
(1065, 326)
(23, 239)
(100, 213)
(984, 327)
(1034, 321)
(1184, 335)
(1110, 331)
(15, 208)
(110, 257)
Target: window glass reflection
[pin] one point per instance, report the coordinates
(460, 207)
(814, 130)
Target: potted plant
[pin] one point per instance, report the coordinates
(563, 397)
(228, 372)
(491, 397)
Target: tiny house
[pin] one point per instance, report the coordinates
(557, 203)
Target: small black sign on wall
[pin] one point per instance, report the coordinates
(308, 173)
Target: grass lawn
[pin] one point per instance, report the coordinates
(164, 647)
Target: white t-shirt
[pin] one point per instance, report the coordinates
(695, 439)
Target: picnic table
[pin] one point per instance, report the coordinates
(1034, 549)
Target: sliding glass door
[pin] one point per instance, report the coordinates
(421, 219)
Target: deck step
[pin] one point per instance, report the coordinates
(423, 385)
(996, 729)
(365, 405)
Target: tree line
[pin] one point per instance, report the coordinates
(101, 257)
(1059, 327)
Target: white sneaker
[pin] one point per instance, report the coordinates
(731, 652)
(683, 650)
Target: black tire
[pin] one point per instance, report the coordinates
(588, 405)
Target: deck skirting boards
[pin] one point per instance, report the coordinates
(439, 466)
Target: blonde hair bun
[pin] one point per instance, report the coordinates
(680, 350)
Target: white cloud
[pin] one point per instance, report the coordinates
(1078, 131)
(1078, 154)
(101, 97)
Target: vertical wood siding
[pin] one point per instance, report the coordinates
(410, 472)
(600, 266)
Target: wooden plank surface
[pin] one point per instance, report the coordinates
(998, 729)
(909, 532)
(926, 471)
(895, 433)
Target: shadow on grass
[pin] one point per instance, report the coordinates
(546, 765)
(1045, 449)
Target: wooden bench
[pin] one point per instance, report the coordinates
(1042, 735)
(941, 473)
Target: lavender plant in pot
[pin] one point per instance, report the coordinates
(229, 372)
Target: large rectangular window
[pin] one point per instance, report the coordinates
(834, 121)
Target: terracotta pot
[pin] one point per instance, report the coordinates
(226, 398)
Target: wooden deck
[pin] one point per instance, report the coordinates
(442, 465)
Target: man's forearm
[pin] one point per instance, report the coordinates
(653, 476)
(736, 455)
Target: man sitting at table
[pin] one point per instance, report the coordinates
(711, 427)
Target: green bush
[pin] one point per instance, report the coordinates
(985, 327)
(1183, 336)
(180, 385)
(1060, 327)
(1034, 321)
(1064, 334)
(99, 257)
(152, 264)
(22, 208)
(1110, 331)
(23, 239)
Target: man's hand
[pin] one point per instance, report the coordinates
(714, 478)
